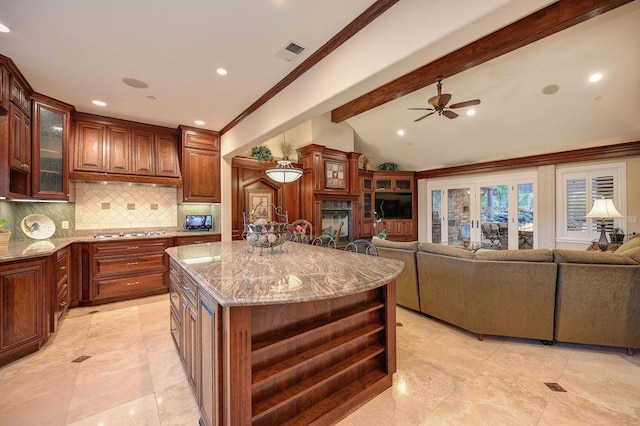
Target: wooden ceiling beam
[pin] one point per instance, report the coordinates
(364, 19)
(543, 23)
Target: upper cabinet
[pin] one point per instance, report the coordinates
(51, 128)
(394, 181)
(15, 131)
(200, 161)
(111, 149)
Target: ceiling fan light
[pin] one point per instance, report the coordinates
(284, 172)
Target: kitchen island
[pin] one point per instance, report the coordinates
(300, 336)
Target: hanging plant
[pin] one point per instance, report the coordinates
(388, 166)
(262, 153)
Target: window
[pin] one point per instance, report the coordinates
(577, 188)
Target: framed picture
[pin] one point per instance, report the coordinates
(258, 204)
(334, 174)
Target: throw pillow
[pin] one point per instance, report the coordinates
(633, 253)
(445, 250)
(408, 245)
(535, 255)
(633, 243)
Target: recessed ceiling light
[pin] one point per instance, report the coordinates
(595, 77)
(550, 89)
(471, 112)
(199, 122)
(151, 98)
(400, 132)
(221, 71)
(4, 28)
(136, 84)
(99, 103)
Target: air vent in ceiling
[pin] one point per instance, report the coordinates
(291, 52)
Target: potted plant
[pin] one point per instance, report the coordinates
(5, 234)
(617, 235)
(366, 161)
(388, 166)
(262, 153)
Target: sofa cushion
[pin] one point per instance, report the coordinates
(445, 250)
(535, 255)
(633, 253)
(409, 245)
(631, 244)
(578, 256)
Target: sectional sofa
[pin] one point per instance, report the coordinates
(551, 295)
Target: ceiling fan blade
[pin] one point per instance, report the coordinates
(449, 114)
(420, 109)
(424, 116)
(440, 100)
(465, 104)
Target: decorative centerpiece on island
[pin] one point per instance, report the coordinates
(265, 227)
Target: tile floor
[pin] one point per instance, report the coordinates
(445, 376)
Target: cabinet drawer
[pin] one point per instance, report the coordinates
(62, 300)
(119, 265)
(62, 270)
(174, 297)
(176, 329)
(129, 247)
(128, 285)
(197, 239)
(190, 289)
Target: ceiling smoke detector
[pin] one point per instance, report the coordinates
(291, 52)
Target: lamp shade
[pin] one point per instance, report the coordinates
(604, 208)
(284, 172)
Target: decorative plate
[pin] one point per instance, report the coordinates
(38, 226)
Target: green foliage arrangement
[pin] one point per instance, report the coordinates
(388, 166)
(262, 153)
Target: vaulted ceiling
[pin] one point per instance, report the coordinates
(77, 51)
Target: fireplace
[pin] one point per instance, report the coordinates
(335, 212)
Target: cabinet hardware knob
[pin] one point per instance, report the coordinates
(132, 247)
(133, 283)
(199, 241)
(184, 305)
(63, 303)
(186, 288)
(62, 268)
(132, 263)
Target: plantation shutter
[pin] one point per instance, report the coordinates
(576, 192)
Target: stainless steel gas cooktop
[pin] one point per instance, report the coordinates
(106, 235)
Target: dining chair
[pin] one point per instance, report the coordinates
(329, 240)
(301, 231)
(362, 246)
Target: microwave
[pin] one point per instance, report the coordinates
(201, 222)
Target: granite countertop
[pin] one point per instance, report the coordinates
(25, 249)
(303, 273)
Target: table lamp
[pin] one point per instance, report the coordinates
(603, 209)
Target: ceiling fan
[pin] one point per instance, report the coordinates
(439, 104)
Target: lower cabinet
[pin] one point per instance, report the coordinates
(195, 327)
(23, 321)
(123, 270)
(62, 289)
(197, 239)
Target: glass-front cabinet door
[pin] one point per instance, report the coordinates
(51, 124)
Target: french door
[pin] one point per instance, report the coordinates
(497, 213)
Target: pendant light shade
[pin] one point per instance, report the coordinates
(284, 172)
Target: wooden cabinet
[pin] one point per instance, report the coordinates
(89, 147)
(166, 156)
(209, 331)
(23, 325)
(122, 270)
(21, 95)
(394, 181)
(200, 161)
(62, 289)
(50, 141)
(110, 149)
(19, 139)
(365, 214)
(197, 239)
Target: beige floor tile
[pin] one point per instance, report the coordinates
(177, 406)
(166, 369)
(142, 411)
(105, 392)
(153, 299)
(569, 409)
(115, 361)
(117, 339)
(388, 408)
(539, 367)
(49, 409)
(488, 400)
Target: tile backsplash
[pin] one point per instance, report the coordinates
(123, 205)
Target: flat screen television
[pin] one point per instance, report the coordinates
(393, 205)
(198, 222)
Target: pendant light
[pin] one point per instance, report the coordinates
(284, 172)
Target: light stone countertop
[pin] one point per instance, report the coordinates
(25, 249)
(303, 273)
